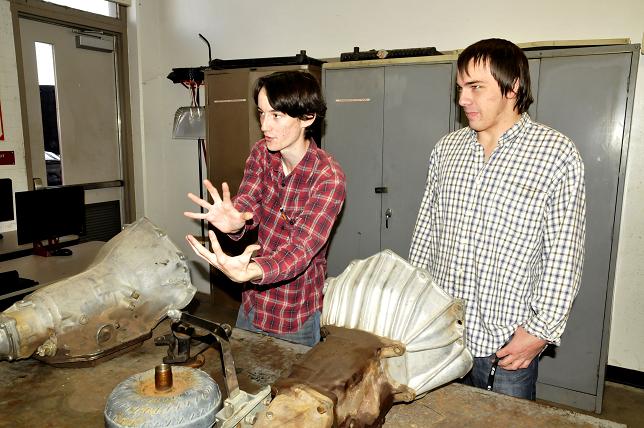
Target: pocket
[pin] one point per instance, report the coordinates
(290, 217)
(519, 208)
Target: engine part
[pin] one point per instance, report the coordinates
(393, 335)
(134, 280)
(183, 397)
(340, 382)
(240, 408)
(387, 296)
(184, 345)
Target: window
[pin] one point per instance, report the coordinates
(100, 7)
(49, 110)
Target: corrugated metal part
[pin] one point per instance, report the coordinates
(387, 296)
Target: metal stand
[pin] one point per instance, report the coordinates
(240, 408)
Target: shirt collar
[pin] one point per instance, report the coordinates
(511, 134)
(303, 168)
(508, 136)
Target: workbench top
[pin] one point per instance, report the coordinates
(35, 394)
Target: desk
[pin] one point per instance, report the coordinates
(46, 270)
(10, 249)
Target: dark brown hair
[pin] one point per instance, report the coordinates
(508, 64)
(296, 93)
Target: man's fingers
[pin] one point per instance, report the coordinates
(194, 198)
(216, 248)
(212, 190)
(225, 192)
(250, 249)
(202, 251)
(506, 362)
(196, 216)
(195, 245)
(247, 216)
(502, 352)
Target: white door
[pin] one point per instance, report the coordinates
(85, 109)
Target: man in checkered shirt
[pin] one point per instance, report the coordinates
(292, 192)
(502, 220)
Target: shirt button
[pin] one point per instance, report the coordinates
(464, 241)
(460, 272)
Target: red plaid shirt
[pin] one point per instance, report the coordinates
(294, 214)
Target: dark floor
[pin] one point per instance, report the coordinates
(621, 403)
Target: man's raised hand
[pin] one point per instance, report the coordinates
(222, 214)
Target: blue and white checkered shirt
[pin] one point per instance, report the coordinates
(506, 234)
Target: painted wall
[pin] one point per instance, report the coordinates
(164, 34)
(11, 114)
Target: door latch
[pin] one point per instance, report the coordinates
(387, 217)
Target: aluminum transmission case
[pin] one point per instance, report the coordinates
(386, 296)
(132, 283)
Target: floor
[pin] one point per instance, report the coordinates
(622, 404)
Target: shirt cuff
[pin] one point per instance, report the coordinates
(269, 269)
(237, 235)
(538, 328)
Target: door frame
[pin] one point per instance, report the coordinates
(116, 27)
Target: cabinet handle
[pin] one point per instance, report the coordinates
(387, 217)
(381, 190)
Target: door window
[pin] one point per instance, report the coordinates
(49, 111)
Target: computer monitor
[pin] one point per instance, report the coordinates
(6, 200)
(49, 214)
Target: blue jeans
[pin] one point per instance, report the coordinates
(520, 383)
(308, 334)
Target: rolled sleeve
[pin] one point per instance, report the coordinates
(564, 238)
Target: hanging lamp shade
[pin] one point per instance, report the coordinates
(189, 123)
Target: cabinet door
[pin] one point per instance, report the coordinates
(585, 97)
(418, 109)
(353, 135)
(228, 126)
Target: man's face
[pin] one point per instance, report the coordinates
(281, 131)
(486, 108)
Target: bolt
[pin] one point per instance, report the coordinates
(269, 415)
(321, 410)
(83, 319)
(229, 410)
(251, 419)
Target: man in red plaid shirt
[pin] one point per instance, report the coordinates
(292, 192)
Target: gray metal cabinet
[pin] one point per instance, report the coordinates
(382, 123)
(587, 94)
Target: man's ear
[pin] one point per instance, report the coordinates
(305, 123)
(515, 90)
